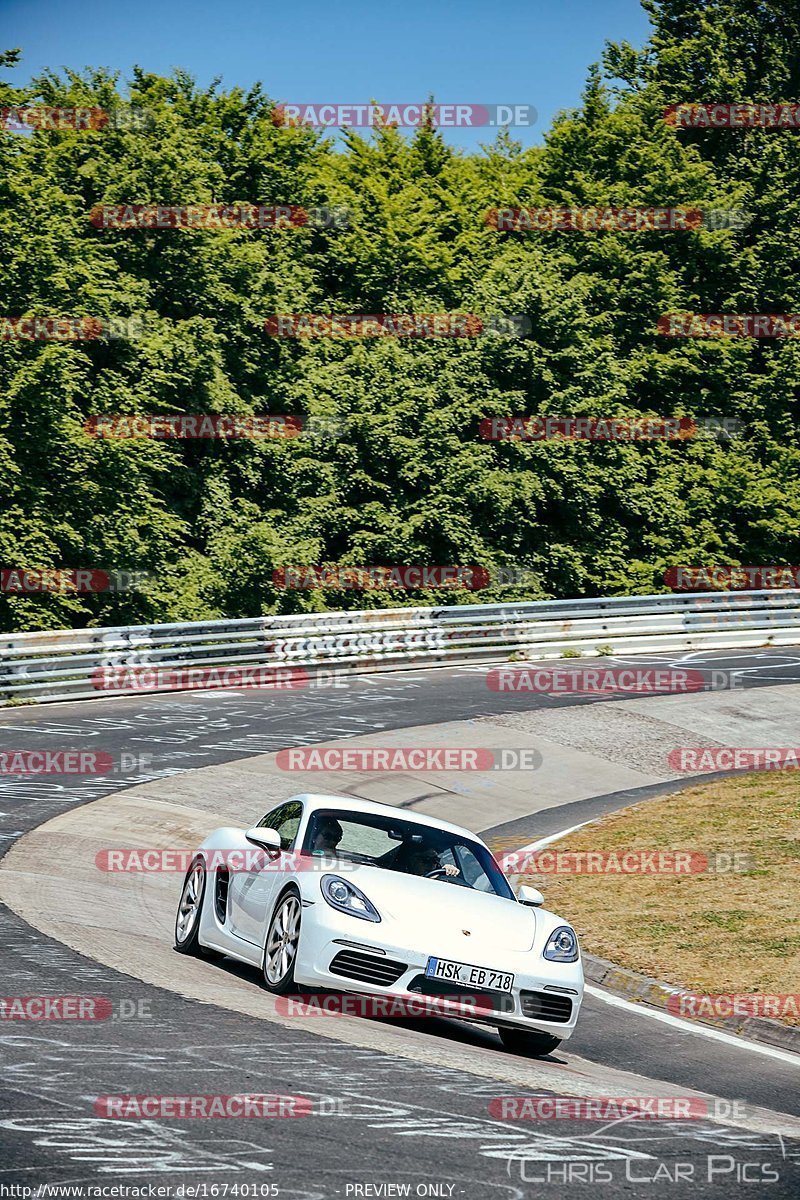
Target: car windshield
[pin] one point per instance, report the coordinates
(409, 847)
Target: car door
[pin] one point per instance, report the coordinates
(252, 891)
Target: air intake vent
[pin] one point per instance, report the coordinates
(545, 1006)
(366, 968)
(221, 894)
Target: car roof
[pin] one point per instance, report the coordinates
(313, 800)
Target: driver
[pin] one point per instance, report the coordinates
(327, 835)
(418, 859)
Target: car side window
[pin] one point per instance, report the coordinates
(472, 870)
(285, 820)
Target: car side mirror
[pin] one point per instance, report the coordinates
(267, 839)
(531, 896)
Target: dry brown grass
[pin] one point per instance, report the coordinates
(716, 933)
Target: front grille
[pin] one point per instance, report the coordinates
(499, 1002)
(366, 968)
(545, 1006)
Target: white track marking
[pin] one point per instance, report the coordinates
(545, 841)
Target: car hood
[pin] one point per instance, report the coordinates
(442, 912)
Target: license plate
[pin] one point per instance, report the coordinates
(467, 976)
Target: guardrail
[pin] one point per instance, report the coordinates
(74, 664)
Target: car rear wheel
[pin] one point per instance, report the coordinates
(523, 1041)
(280, 947)
(187, 920)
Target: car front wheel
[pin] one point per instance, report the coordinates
(523, 1041)
(187, 920)
(280, 947)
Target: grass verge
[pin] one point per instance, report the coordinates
(710, 933)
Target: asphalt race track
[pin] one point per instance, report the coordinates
(382, 1121)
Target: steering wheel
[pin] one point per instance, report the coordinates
(459, 878)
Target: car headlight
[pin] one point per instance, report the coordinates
(562, 945)
(348, 899)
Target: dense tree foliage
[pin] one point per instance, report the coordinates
(408, 479)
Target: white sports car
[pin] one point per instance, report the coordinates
(337, 893)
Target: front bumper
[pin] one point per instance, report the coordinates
(546, 996)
